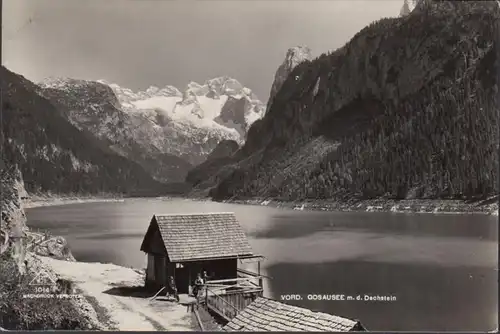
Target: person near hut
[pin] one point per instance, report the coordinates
(198, 284)
(173, 288)
(205, 277)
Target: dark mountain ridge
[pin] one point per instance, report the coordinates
(54, 156)
(406, 109)
(218, 158)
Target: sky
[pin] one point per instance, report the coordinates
(140, 43)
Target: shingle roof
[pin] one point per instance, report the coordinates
(202, 236)
(269, 315)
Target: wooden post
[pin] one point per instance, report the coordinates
(189, 277)
(147, 278)
(165, 271)
(175, 282)
(258, 272)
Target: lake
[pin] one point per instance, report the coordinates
(440, 271)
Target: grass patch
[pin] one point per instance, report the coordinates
(20, 313)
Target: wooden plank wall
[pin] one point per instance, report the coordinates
(150, 270)
(240, 300)
(221, 304)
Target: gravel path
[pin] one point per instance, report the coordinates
(118, 292)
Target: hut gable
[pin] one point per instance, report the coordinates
(189, 237)
(269, 315)
(153, 243)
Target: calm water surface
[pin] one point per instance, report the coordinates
(442, 269)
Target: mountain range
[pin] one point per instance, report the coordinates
(163, 130)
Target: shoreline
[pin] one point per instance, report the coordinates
(413, 206)
(43, 201)
(36, 202)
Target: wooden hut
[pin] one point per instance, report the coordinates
(183, 245)
(264, 315)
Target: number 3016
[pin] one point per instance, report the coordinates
(42, 289)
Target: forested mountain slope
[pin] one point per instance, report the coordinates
(208, 173)
(406, 109)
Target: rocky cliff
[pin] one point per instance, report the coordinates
(406, 109)
(294, 56)
(13, 192)
(21, 266)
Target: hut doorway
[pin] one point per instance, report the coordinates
(182, 278)
(185, 275)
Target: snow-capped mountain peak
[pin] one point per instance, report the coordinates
(165, 91)
(200, 105)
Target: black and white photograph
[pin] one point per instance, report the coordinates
(249, 165)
